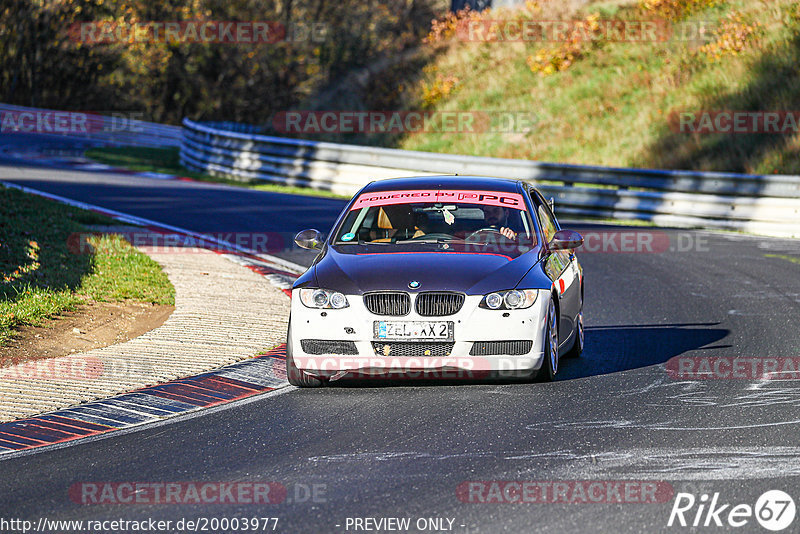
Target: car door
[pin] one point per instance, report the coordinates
(562, 267)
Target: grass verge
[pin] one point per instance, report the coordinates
(601, 98)
(42, 274)
(618, 103)
(167, 161)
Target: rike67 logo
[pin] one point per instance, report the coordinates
(774, 510)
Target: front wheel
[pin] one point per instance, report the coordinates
(550, 364)
(295, 376)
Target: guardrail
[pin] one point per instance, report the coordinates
(116, 130)
(768, 204)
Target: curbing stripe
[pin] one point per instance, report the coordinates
(43, 434)
(169, 406)
(142, 409)
(80, 425)
(167, 394)
(222, 383)
(60, 427)
(109, 413)
(155, 403)
(190, 389)
(13, 436)
(261, 374)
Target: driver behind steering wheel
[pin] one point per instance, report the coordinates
(497, 217)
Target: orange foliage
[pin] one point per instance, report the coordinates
(547, 61)
(732, 37)
(677, 9)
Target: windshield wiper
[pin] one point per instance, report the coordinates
(426, 241)
(362, 243)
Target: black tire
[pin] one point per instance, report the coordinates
(550, 364)
(579, 342)
(295, 376)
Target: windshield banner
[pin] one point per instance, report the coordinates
(486, 198)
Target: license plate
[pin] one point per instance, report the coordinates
(438, 330)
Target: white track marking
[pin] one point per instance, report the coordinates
(141, 221)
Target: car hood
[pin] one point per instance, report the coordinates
(473, 273)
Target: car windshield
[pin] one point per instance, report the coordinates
(473, 221)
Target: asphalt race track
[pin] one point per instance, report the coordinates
(404, 449)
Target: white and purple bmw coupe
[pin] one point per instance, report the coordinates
(438, 277)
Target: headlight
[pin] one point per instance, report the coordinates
(514, 299)
(493, 301)
(323, 298)
(338, 301)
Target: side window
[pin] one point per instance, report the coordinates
(548, 227)
(545, 216)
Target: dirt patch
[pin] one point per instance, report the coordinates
(93, 325)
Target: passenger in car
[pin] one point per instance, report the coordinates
(395, 222)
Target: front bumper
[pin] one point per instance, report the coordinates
(368, 356)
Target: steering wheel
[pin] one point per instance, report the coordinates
(487, 230)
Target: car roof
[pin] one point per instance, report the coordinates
(481, 183)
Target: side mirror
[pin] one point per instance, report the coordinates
(310, 239)
(565, 240)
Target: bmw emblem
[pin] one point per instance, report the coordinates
(413, 284)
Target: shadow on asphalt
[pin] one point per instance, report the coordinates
(611, 349)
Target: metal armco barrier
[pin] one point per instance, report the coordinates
(119, 129)
(768, 205)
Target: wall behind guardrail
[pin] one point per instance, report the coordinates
(117, 129)
(768, 205)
